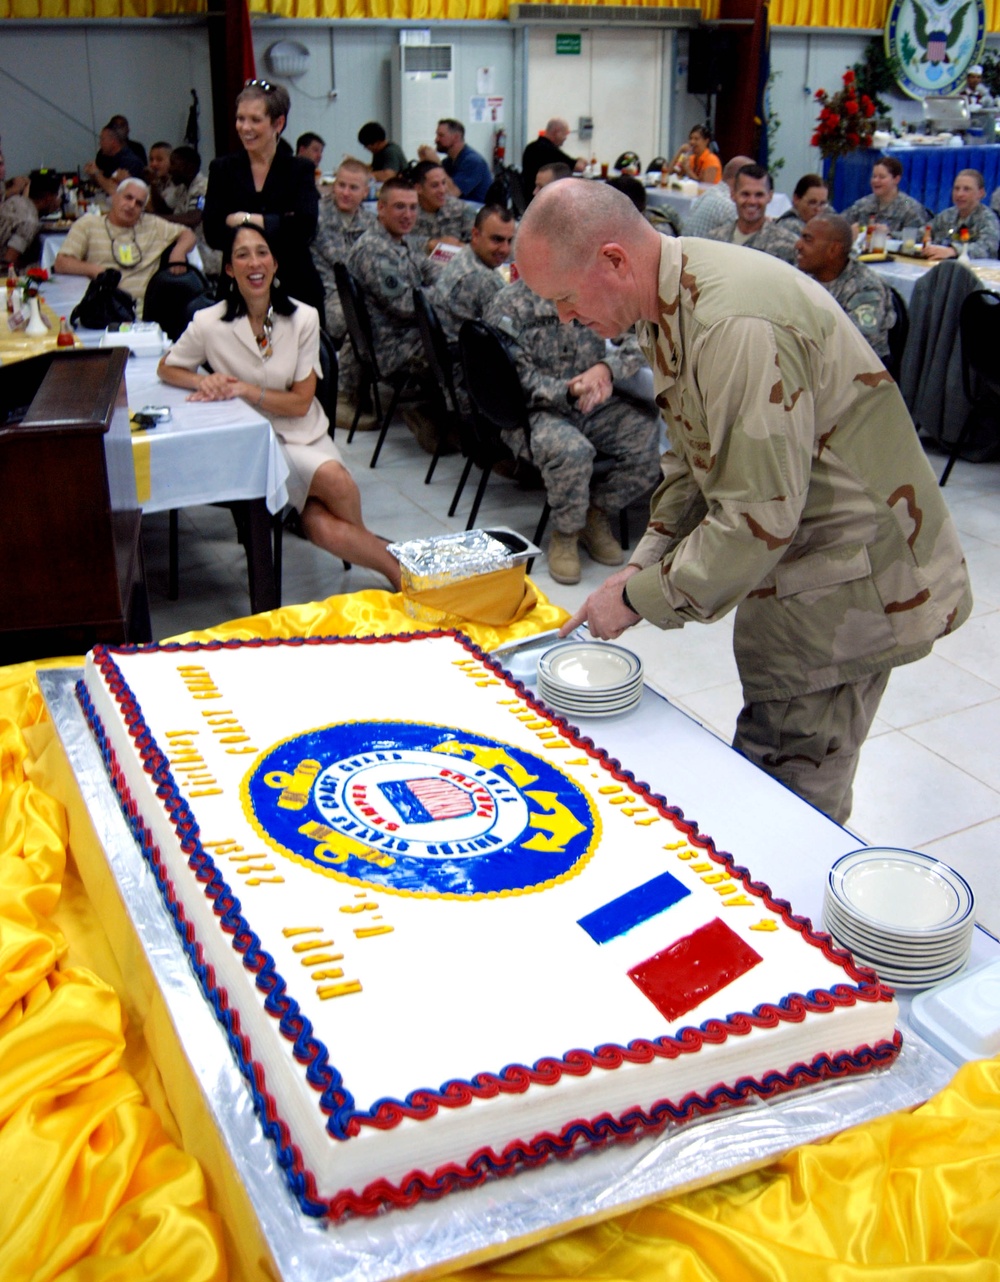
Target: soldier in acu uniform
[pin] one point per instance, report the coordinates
(342, 223)
(567, 374)
(795, 490)
(388, 270)
(440, 218)
(824, 253)
(751, 226)
(467, 284)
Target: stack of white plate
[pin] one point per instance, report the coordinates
(590, 678)
(907, 915)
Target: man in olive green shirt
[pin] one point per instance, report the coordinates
(795, 490)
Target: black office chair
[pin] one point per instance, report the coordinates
(657, 165)
(979, 329)
(507, 189)
(171, 299)
(898, 333)
(499, 405)
(441, 357)
(407, 385)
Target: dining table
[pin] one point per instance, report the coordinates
(198, 453)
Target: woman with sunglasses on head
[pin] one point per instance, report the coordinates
(267, 187)
(263, 346)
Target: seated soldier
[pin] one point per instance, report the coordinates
(549, 174)
(116, 160)
(568, 373)
(467, 284)
(440, 218)
(751, 226)
(183, 201)
(125, 238)
(342, 222)
(824, 252)
(388, 269)
(20, 217)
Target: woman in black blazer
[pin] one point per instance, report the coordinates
(266, 186)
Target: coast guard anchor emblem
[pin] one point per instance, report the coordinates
(421, 809)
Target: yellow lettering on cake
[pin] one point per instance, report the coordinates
(290, 932)
(677, 845)
(224, 847)
(702, 867)
(368, 906)
(338, 990)
(610, 789)
(558, 821)
(295, 787)
(713, 877)
(578, 761)
(335, 973)
(726, 888)
(365, 932)
(683, 854)
(766, 923)
(620, 801)
(206, 792)
(181, 734)
(322, 960)
(335, 848)
(738, 901)
(260, 881)
(310, 945)
(247, 868)
(631, 811)
(644, 823)
(496, 759)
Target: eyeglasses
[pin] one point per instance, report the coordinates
(259, 84)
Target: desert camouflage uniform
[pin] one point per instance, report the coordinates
(564, 441)
(797, 492)
(464, 288)
(388, 271)
(773, 238)
(902, 211)
(336, 235)
(454, 218)
(864, 297)
(984, 230)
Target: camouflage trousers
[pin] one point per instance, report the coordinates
(335, 325)
(812, 742)
(402, 350)
(563, 448)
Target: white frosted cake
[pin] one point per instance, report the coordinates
(446, 936)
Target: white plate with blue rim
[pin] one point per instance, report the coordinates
(906, 894)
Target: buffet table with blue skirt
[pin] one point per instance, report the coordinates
(928, 173)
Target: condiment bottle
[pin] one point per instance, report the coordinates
(869, 233)
(11, 286)
(927, 236)
(64, 337)
(663, 174)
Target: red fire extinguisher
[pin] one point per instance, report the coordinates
(499, 148)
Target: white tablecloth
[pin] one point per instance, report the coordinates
(211, 452)
(903, 275)
(656, 197)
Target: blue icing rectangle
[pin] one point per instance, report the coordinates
(620, 915)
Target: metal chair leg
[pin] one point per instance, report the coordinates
(397, 394)
(480, 491)
(461, 485)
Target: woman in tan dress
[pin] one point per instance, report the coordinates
(264, 347)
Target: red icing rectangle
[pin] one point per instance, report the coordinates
(692, 969)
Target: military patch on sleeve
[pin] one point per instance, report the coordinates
(392, 283)
(866, 317)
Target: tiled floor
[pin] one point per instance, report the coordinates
(929, 777)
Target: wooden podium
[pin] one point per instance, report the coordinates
(70, 550)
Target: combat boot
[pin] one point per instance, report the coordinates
(564, 558)
(597, 538)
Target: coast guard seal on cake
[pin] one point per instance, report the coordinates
(421, 809)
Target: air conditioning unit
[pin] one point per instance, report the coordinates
(423, 92)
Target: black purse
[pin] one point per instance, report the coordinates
(104, 304)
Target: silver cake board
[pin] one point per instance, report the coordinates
(213, 1107)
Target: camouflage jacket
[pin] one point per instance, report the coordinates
(984, 230)
(389, 271)
(336, 235)
(773, 238)
(864, 297)
(795, 489)
(902, 211)
(548, 354)
(464, 288)
(454, 218)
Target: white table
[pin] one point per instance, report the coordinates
(902, 274)
(211, 452)
(657, 197)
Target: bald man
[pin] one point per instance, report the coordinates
(547, 150)
(823, 250)
(795, 489)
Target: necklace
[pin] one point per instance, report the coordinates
(126, 253)
(264, 337)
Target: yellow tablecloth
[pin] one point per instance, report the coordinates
(16, 345)
(94, 1186)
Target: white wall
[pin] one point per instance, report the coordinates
(60, 82)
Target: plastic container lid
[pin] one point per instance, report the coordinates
(961, 1017)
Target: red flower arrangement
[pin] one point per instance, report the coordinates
(846, 120)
